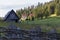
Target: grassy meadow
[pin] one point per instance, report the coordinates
(45, 24)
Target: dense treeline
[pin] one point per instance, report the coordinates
(41, 10)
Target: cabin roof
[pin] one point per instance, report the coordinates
(9, 13)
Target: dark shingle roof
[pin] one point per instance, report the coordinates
(10, 13)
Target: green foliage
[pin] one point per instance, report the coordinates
(42, 10)
(52, 22)
(57, 9)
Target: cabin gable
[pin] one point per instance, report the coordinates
(11, 16)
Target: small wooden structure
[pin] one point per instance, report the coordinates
(11, 16)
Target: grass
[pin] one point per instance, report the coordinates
(45, 24)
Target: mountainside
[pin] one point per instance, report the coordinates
(42, 10)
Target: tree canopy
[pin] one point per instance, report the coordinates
(42, 10)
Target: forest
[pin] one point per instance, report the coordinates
(41, 11)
